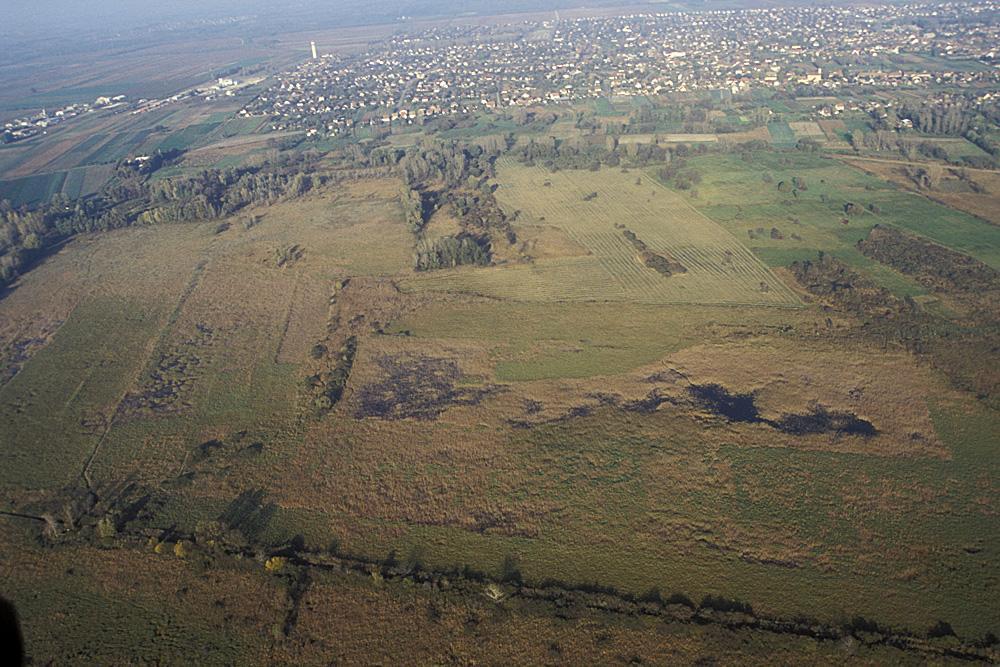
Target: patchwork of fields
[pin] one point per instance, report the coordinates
(781, 227)
(720, 270)
(78, 157)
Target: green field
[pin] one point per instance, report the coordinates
(120, 145)
(735, 194)
(781, 134)
(187, 136)
(32, 189)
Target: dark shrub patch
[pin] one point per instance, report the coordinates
(821, 420)
(417, 388)
(734, 407)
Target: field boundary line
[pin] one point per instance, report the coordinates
(155, 344)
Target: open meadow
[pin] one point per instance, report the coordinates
(974, 191)
(589, 214)
(499, 414)
(459, 333)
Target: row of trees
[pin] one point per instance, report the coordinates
(418, 207)
(131, 198)
(948, 119)
(592, 151)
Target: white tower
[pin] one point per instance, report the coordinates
(313, 46)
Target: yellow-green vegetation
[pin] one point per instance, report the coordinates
(594, 209)
(172, 334)
(531, 341)
(549, 411)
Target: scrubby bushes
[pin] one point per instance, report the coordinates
(328, 386)
(449, 252)
(663, 265)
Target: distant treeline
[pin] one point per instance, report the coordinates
(958, 118)
(132, 198)
(594, 150)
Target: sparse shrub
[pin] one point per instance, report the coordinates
(652, 595)
(720, 603)
(493, 592)
(940, 629)
(106, 528)
(681, 599)
(275, 563)
(510, 572)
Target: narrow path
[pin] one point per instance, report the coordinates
(152, 347)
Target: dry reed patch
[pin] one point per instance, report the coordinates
(540, 241)
(406, 472)
(438, 456)
(756, 544)
(886, 388)
(756, 134)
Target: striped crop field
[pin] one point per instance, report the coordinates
(720, 270)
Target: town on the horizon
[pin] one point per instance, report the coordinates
(818, 51)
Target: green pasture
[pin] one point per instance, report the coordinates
(32, 189)
(744, 197)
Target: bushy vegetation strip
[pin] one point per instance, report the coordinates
(117, 515)
(954, 344)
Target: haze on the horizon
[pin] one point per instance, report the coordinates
(60, 17)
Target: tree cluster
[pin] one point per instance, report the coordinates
(132, 198)
(451, 251)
